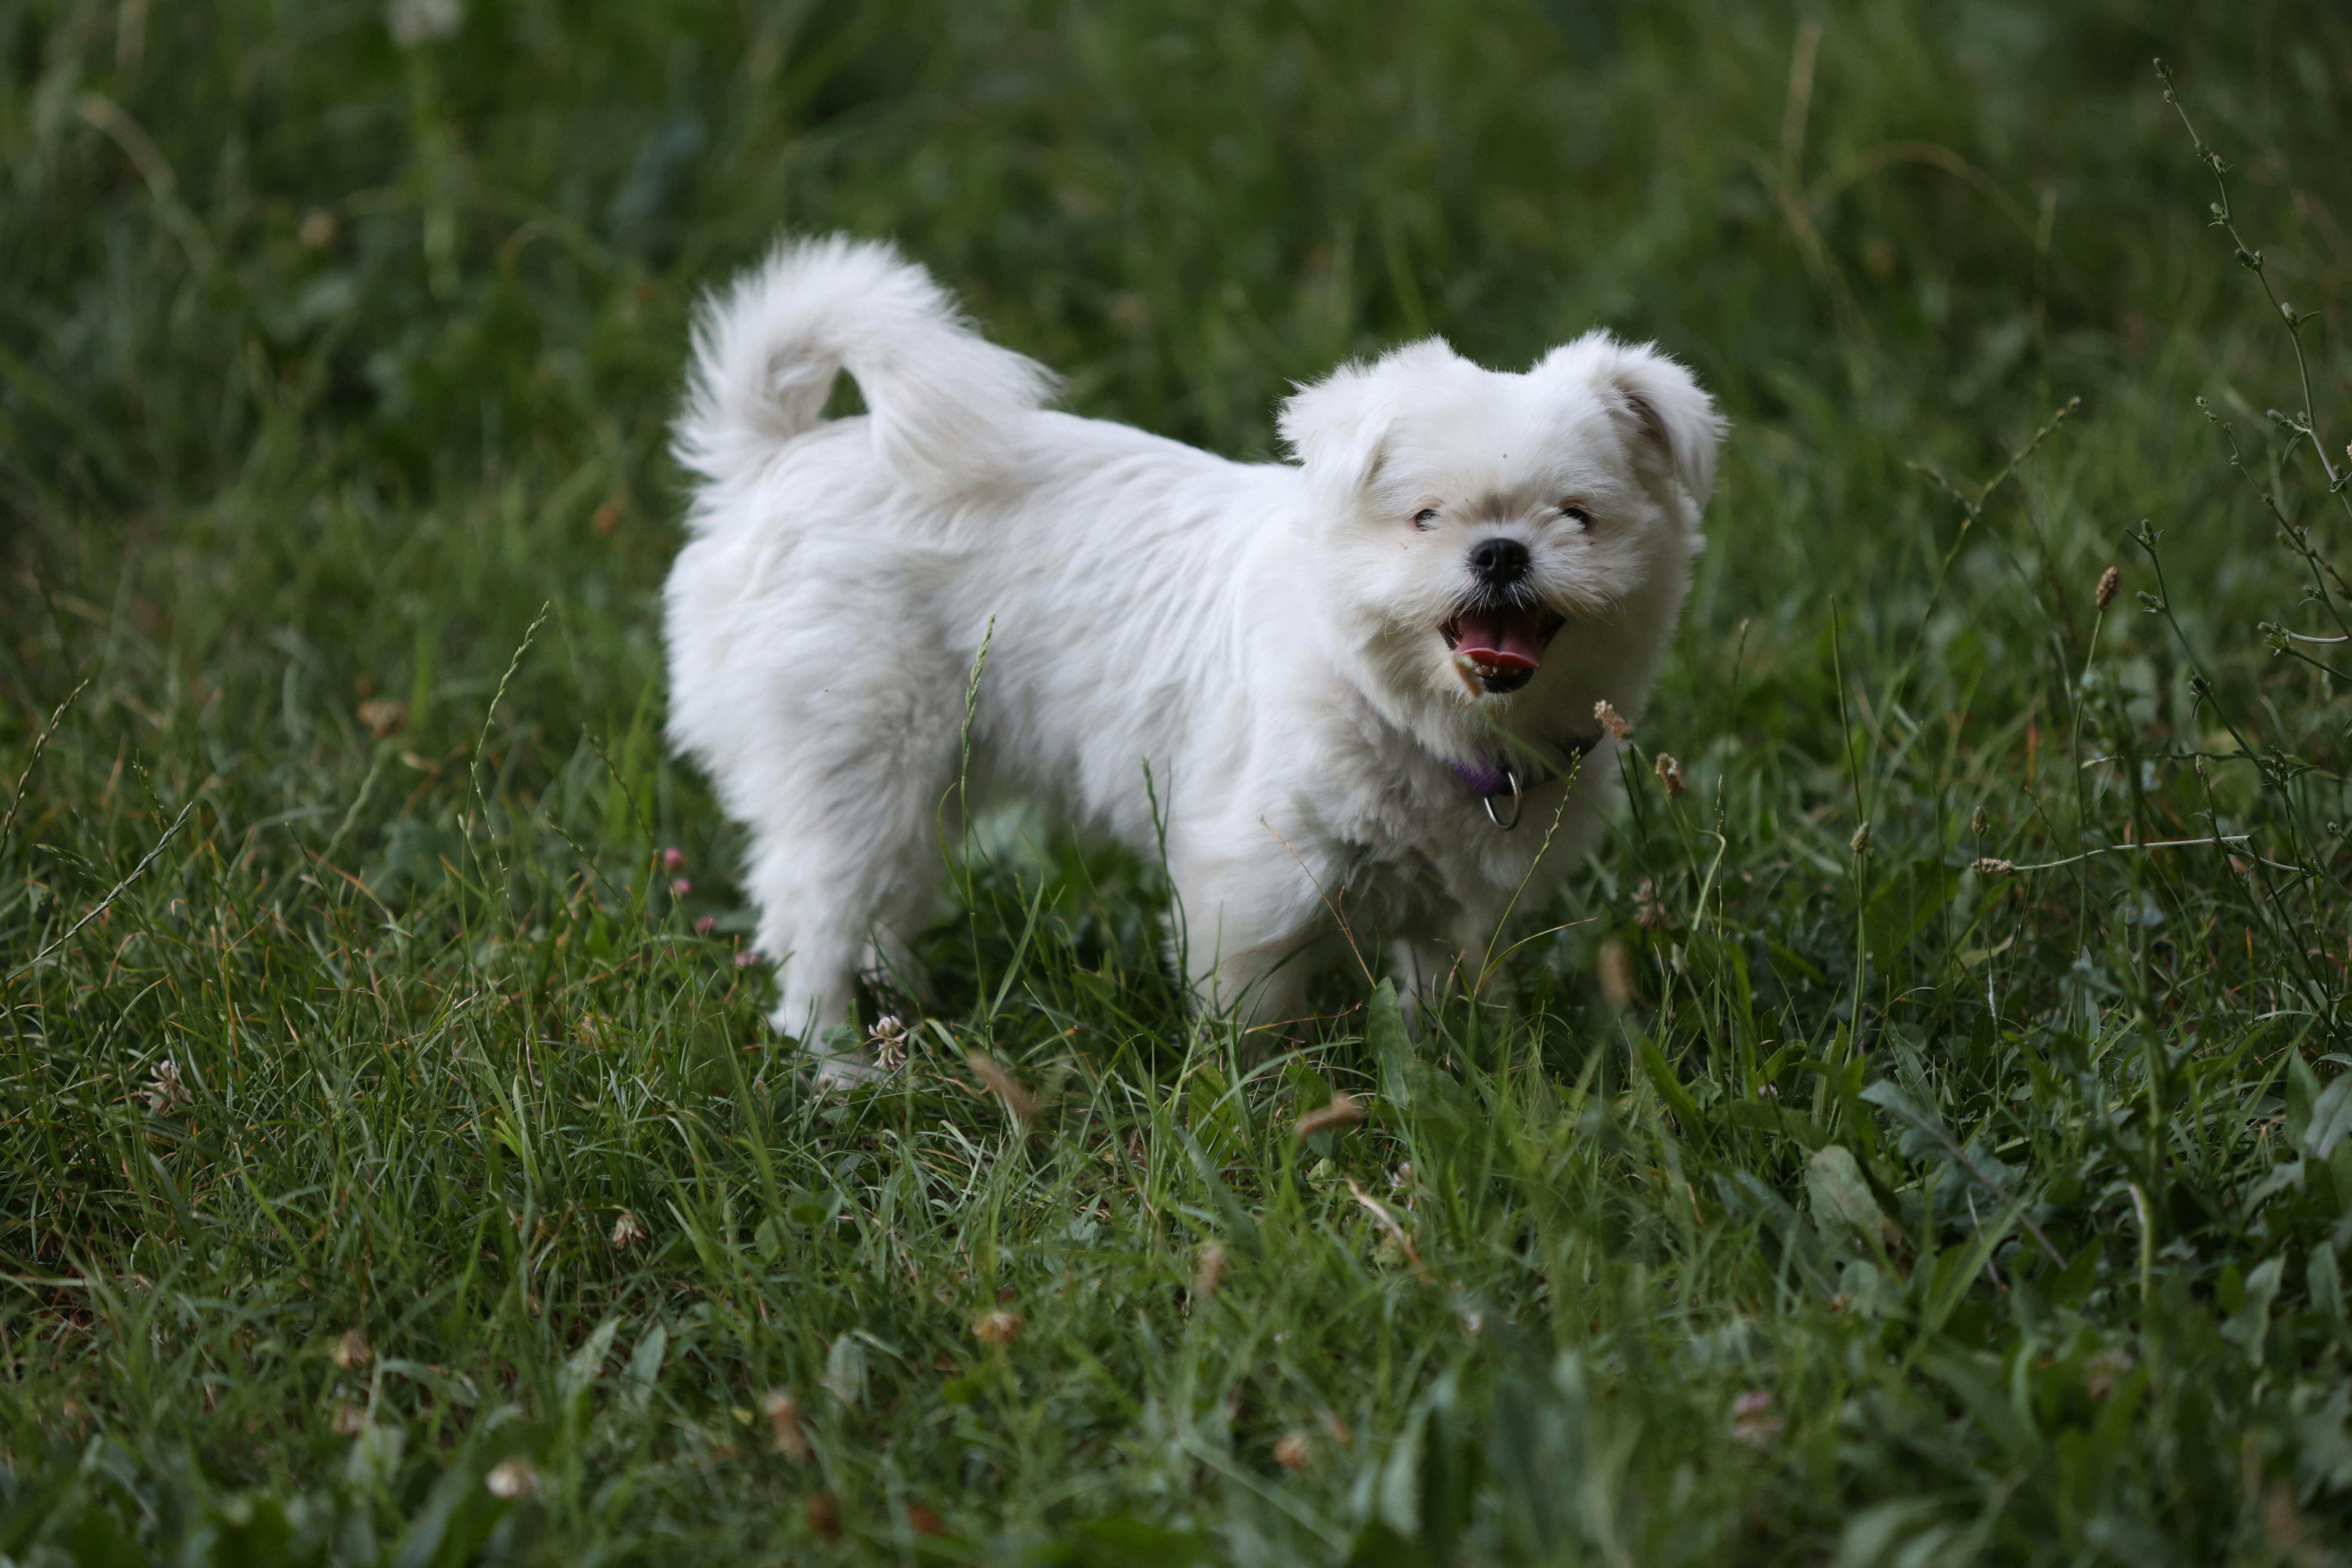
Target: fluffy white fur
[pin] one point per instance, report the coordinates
(1262, 640)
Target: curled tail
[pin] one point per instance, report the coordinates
(766, 350)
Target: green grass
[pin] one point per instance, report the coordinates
(1908, 1212)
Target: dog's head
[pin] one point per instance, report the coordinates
(1480, 530)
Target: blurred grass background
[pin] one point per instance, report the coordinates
(1904, 1211)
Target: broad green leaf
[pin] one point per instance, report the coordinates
(588, 1361)
(1842, 1200)
(2331, 1118)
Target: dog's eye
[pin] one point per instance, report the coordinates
(1425, 519)
(1574, 512)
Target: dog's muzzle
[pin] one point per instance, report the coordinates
(1497, 639)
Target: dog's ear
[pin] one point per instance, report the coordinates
(1675, 420)
(1336, 427)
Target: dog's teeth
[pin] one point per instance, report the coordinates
(1472, 674)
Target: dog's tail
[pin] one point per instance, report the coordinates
(943, 398)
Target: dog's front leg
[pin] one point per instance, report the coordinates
(1425, 971)
(1249, 929)
(1259, 987)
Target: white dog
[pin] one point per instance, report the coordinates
(1324, 688)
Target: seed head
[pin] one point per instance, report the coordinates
(1616, 976)
(382, 716)
(1752, 1420)
(1293, 1450)
(1465, 669)
(512, 1479)
(627, 1231)
(1343, 1112)
(352, 1351)
(784, 1417)
(1212, 1270)
(996, 1327)
(416, 23)
(2109, 581)
(1989, 866)
(1010, 1089)
(350, 1420)
(1670, 773)
(1860, 842)
(1613, 721)
(1978, 821)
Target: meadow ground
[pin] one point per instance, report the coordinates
(394, 1166)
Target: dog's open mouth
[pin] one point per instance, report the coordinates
(1499, 647)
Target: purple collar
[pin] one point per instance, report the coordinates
(1484, 778)
(1489, 777)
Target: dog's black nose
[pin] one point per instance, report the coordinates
(1499, 561)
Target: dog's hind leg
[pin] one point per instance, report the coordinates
(843, 858)
(822, 899)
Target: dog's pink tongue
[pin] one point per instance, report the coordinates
(1501, 640)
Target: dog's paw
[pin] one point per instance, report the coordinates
(837, 1060)
(842, 1069)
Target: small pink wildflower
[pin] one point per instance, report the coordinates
(704, 926)
(745, 958)
(679, 887)
(673, 858)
